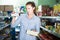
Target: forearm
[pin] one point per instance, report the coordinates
(13, 20)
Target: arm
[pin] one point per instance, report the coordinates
(38, 24)
(14, 22)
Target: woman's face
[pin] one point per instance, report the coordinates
(30, 9)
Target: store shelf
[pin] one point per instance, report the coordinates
(4, 16)
(3, 26)
(50, 17)
(51, 32)
(2, 22)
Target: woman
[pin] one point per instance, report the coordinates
(28, 21)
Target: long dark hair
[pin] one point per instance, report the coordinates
(33, 5)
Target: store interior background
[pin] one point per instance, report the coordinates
(50, 29)
(18, 3)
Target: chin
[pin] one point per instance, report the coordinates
(28, 12)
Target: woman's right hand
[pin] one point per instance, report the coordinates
(13, 20)
(13, 17)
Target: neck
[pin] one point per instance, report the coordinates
(30, 15)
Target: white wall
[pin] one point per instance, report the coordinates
(24, 1)
(16, 3)
(9, 2)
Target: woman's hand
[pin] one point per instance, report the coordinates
(34, 33)
(13, 17)
(13, 20)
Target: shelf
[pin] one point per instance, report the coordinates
(4, 26)
(2, 22)
(50, 17)
(4, 16)
(51, 32)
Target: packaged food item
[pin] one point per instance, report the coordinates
(32, 33)
(46, 27)
(49, 27)
(57, 29)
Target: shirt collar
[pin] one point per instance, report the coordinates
(32, 17)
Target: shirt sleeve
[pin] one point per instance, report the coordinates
(16, 22)
(38, 24)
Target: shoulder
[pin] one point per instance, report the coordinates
(37, 18)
